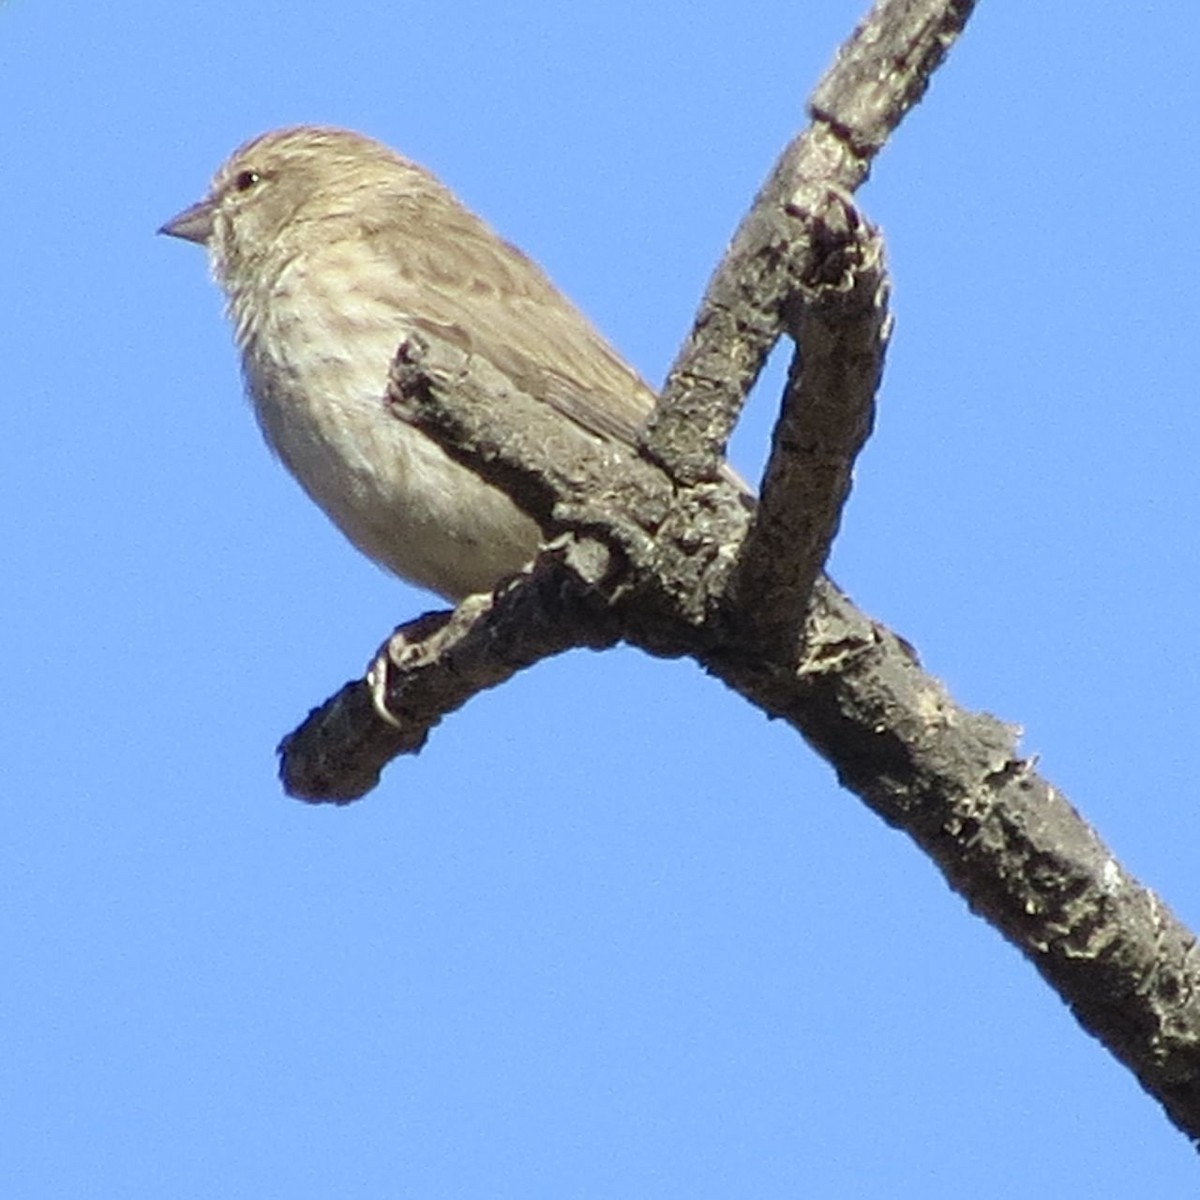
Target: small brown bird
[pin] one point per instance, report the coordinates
(332, 249)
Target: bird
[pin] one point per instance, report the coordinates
(331, 250)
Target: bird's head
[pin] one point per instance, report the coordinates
(272, 186)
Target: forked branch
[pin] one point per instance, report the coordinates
(659, 549)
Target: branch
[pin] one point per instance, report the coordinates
(878, 75)
(655, 550)
(671, 549)
(840, 327)
(1005, 838)
(433, 665)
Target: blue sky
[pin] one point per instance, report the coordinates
(613, 934)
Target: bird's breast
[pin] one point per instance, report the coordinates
(317, 376)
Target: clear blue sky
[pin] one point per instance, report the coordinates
(613, 934)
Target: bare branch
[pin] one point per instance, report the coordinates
(953, 780)
(878, 75)
(1006, 839)
(840, 328)
(883, 69)
(672, 549)
(645, 559)
(433, 665)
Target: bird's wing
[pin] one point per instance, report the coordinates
(466, 284)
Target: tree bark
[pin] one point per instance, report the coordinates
(658, 547)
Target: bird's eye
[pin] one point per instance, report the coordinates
(245, 180)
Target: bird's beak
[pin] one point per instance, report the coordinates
(194, 224)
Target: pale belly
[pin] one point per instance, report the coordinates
(385, 485)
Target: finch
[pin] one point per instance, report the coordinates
(331, 250)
